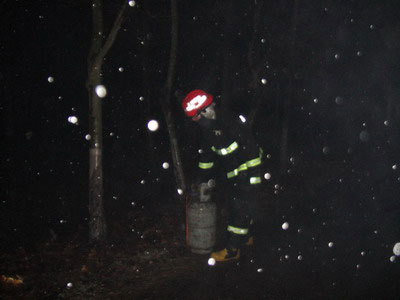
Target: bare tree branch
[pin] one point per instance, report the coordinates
(111, 36)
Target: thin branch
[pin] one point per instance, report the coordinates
(97, 26)
(111, 36)
(174, 45)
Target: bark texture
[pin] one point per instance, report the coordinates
(165, 100)
(97, 52)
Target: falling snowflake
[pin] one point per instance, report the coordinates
(285, 226)
(396, 249)
(152, 125)
(267, 176)
(211, 261)
(339, 100)
(364, 136)
(101, 91)
(73, 120)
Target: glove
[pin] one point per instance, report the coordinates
(211, 183)
(205, 189)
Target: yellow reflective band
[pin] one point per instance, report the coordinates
(206, 165)
(232, 147)
(232, 173)
(243, 167)
(255, 180)
(237, 230)
(224, 151)
(254, 162)
(248, 164)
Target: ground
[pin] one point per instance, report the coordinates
(159, 266)
(337, 246)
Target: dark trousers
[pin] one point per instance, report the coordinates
(242, 206)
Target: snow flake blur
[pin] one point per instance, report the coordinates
(101, 91)
(396, 249)
(339, 100)
(364, 136)
(73, 120)
(211, 261)
(152, 125)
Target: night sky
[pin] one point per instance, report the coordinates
(331, 68)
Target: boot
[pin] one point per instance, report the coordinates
(250, 241)
(228, 253)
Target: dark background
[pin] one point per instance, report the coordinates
(340, 181)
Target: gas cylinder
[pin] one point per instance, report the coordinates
(201, 221)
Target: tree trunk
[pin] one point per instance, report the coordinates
(290, 92)
(97, 52)
(148, 90)
(256, 62)
(230, 55)
(165, 101)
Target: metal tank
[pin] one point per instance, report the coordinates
(202, 219)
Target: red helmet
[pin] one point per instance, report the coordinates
(196, 101)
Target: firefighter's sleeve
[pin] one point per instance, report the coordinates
(252, 152)
(206, 164)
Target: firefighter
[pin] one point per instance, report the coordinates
(227, 145)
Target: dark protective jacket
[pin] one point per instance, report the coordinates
(228, 144)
